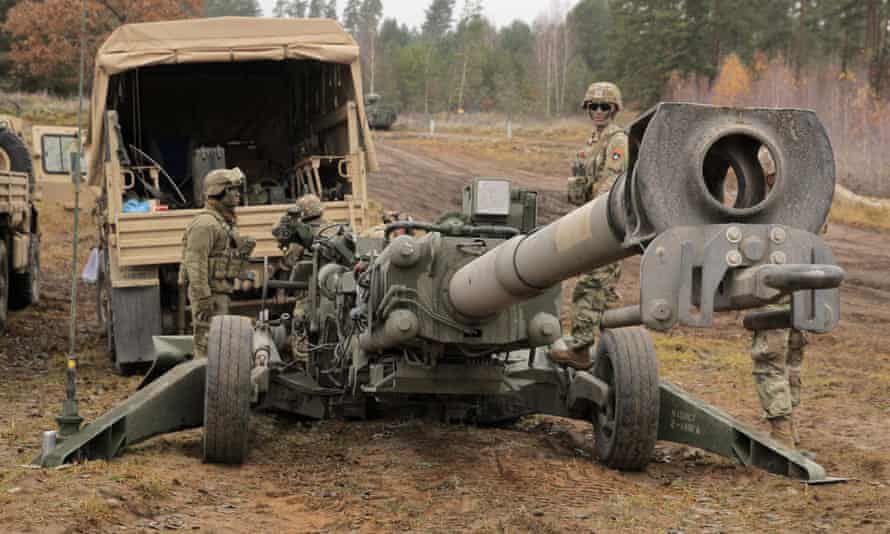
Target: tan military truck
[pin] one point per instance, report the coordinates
(279, 98)
(19, 230)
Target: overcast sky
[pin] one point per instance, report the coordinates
(411, 12)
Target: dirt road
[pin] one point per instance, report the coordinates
(395, 475)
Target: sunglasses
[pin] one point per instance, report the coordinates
(599, 107)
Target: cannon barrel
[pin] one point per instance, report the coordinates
(688, 166)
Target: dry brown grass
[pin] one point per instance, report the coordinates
(41, 108)
(845, 212)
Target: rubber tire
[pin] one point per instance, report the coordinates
(19, 157)
(26, 286)
(228, 390)
(626, 360)
(4, 286)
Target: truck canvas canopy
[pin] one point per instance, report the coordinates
(172, 58)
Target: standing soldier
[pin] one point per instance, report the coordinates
(777, 359)
(213, 255)
(595, 169)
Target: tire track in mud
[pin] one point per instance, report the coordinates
(427, 186)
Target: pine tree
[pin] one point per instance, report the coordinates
(369, 20)
(330, 10)
(232, 8)
(315, 8)
(289, 8)
(351, 16)
(438, 20)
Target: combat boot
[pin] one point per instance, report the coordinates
(781, 430)
(576, 358)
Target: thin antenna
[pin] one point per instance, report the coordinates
(69, 421)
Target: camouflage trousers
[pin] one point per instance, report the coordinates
(593, 295)
(777, 362)
(201, 329)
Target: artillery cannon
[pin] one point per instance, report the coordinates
(457, 317)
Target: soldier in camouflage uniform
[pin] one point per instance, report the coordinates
(595, 169)
(300, 226)
(777, 360)
(213, 254)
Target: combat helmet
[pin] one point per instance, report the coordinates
(310, 207)
(600, 92)
(217, 180)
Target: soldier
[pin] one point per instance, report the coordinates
(777, 359)
(299, 228)
(595, 169)
(213, 254)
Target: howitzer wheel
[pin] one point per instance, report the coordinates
(626, 427)
(228, 390)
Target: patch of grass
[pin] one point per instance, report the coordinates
(845, 212)
(153, 486)
(42, 107)
(92, 513)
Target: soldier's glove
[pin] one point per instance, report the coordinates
(245, 248)
(578, 189)
(578, 168)
(204, 310)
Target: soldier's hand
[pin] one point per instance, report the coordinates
(245, 249)
(578, 168)
(578, 188)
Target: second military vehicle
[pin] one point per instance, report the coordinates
(19, 225)
(381, 116)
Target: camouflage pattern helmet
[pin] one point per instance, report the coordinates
(310, 206)
(218, 180)
(603, 92)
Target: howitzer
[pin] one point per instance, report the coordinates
(458, 316)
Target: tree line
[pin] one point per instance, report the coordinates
(458, 60)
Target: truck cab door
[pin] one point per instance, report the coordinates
(51, 149)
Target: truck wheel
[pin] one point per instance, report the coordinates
(25, 288)
(14, 155)
(228, 391)
(626, 427)
(4, 286)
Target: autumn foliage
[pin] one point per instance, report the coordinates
(46, 33)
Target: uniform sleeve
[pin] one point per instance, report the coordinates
(616, 159)
(199, 243)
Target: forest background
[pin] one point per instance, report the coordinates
(829, 55)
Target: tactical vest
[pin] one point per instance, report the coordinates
(597, 153)
(224, 264)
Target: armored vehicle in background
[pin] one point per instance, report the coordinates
(279, 98)
(381, 116)
(19, 228)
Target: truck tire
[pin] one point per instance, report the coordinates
(626, 428)
(25, 288)
(228, 390)
(4, 285)
(14, 155)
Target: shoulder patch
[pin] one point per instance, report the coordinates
(617, 154)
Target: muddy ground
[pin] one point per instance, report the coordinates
(406, 475)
